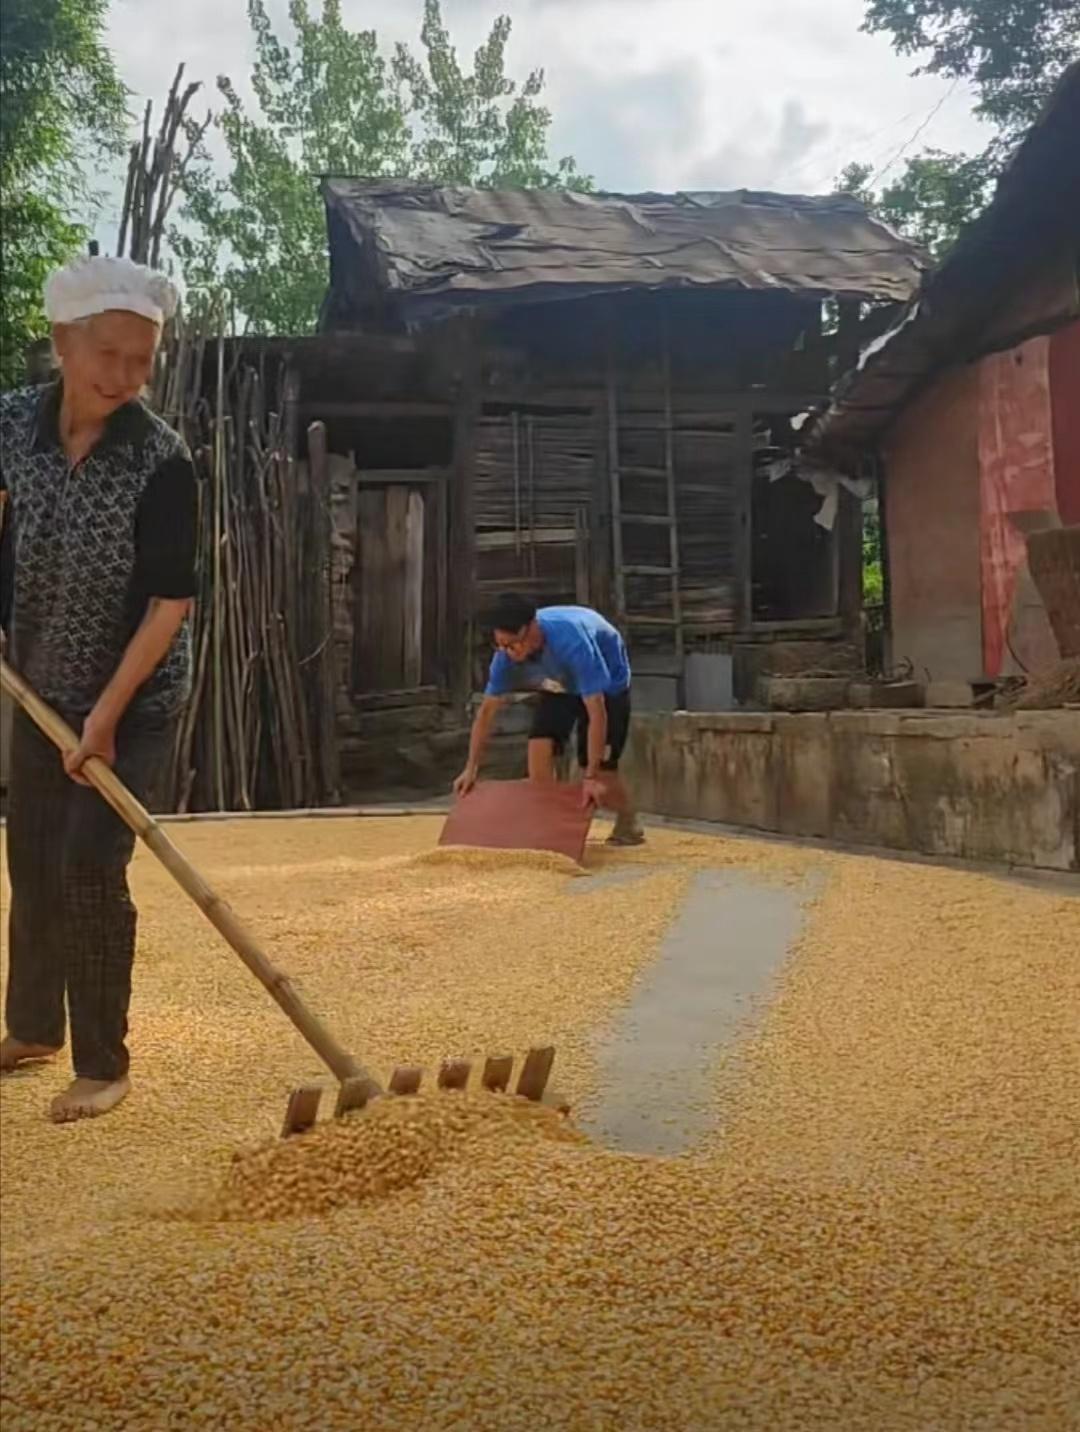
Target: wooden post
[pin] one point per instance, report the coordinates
(322, 532)
(847, 543)
(847, 333)
(600, 540)
(462, 553)
(744, 517)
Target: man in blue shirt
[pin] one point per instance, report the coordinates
(578, 664)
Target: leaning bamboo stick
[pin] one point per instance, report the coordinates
(131, 811)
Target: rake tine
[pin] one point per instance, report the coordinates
(302, 1109)
(454, 1073)
(535, 1073)
(354, 1094)
(497, 1073)
(406, 1080)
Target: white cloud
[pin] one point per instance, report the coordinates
(646, 94)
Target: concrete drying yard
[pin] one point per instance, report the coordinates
(864, 1212)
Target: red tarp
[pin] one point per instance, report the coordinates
(521, 815)
(1016, 474)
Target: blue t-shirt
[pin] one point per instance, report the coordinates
(582, 655)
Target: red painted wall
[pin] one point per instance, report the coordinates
(932, 521)
(1016, 481)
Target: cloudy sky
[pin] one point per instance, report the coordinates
(646, 94)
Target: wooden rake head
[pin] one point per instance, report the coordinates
(496, 1076)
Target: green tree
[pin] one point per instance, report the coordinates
(478, 129)
(60, 103)
(932, 201)
(1013, 51)
(332, 103)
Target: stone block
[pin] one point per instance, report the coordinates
(950, 695)
(804, 693)
(884, 695)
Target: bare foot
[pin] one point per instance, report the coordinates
(87, 1098)
(627, 831)
(14, 1052)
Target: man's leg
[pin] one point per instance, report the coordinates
(553, 724)
(541, 758)
(38, 798)
(101, 925)
(617, 797)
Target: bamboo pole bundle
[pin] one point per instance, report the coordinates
(259, 730)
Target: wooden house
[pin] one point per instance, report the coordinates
(581, 397)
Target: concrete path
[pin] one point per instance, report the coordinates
(657, 1064)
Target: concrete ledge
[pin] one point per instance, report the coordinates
(988, 787)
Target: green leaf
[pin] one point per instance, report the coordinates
(61, 107)
(333, 103)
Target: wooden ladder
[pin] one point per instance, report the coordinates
(668, 573)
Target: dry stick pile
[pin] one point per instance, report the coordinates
(155, 174)
(255, 734)
(884, 1238)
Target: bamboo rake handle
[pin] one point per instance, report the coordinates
(108, 785)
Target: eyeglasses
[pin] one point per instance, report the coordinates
(515, 643)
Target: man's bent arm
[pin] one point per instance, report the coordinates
(481, 729)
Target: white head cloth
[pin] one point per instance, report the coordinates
(96, 285)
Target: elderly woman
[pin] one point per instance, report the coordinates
(99, 539)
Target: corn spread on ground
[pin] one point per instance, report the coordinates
(883, 1234)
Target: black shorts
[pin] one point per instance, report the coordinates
(557, 714)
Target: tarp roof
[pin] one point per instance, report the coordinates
(1036, 205)
(437, 249)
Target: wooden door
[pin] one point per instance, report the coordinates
(393, 588)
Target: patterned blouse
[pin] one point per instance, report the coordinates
(85, 550)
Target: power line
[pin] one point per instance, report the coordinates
(905, 147)
(846, 147)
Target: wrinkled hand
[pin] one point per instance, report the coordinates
(465, 782)
(96, 740)
(592, 792)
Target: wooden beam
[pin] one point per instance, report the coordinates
(401, 476)
(816, 626)
(391, 700)
(379, 409)
(692, 408)
(539, 536)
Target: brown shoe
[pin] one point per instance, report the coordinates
(627, 832)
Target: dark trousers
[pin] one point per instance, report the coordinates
(72, 921)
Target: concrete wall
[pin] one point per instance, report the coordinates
(932, 523)
(981, 787)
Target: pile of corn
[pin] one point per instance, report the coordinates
(883, 1234)
(390, 1146)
